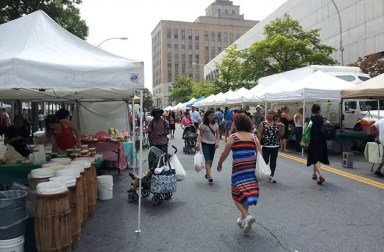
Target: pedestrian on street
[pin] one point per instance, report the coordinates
(269, 136)
(219, 117)
(245, 188)
(172, 123)
(209, 138)
(257, 117)
(195, 116)
(228, 117)
(286, 118)
(298, 119)
(379, 126)
(158, 130)
(317, 149)
(41, 118)
(186, 120)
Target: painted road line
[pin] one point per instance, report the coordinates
(338, 172)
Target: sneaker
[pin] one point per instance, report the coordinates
(248, 221)
(314, 176)
(379, 174)
(240, 222)
(210, 180)
(271, 180)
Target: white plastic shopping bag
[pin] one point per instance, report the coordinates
(262, 171)
(199, 161)
(175, 164)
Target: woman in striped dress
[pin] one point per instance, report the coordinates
(245, 189)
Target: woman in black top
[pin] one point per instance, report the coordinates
(317, 150)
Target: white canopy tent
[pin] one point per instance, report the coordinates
(370, 89)
(204, 102)
(317, 86)
(41, 61)
(238, 96)
(222, 100)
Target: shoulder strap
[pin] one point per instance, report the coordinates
(211, 130)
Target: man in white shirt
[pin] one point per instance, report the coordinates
(195, 116)
(379, 126)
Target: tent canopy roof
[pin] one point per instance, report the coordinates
(370, 89)
(41, 60)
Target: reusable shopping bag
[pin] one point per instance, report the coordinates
(165, 181)
(262, 171)
(175, 164)
(199, 161)
(306, 135)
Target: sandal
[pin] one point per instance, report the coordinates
(321, 180)
(314, 176)
(206, 176)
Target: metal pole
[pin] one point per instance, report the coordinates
(141, 162)
(341, 33)
(378, 109)
(134, 133)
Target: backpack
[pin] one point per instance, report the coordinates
(328, 131)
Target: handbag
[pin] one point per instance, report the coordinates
(262, 170)
(165, 181)
(175, 164)
(199, 161)
(306, 135)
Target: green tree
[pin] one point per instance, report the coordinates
(181, 89)
(203, 88)
(286, 47)
(371, 64)
(147, 97)
(230, 69)
(64, 12)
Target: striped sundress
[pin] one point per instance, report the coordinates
(245, 188)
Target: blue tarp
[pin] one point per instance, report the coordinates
(189, 104)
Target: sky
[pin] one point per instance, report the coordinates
(136, 19)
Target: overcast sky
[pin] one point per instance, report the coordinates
(136, 19)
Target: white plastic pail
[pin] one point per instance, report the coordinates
(12, 245)
(105, 187)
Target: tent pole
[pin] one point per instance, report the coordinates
(378, 109)
(134, 133)
(302, 149)
(141, 162)
(128, 127)
(341, 128)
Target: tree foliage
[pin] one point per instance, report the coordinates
(286, 47)
(64, 12)
(147, 97)
(371, 64)
(230, 69)
(181, 89)
(203, 88)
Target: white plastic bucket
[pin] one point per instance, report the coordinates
(68, 172)
(61, 160)
(105, 187)
(85, 163)
(79, 167)
(12, 245)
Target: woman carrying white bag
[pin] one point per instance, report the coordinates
(245, 188)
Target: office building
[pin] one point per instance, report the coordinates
(183, 48)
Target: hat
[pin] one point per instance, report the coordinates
(193, 106)
(156, 111)
(259, 106)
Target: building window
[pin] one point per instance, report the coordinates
(219, 11)
(232, 39)
(197, 36)
(233, 12)
(226, 11)
(169, 77)
(225, 38)
(176, 47)
(168, 32)
(176, 33)
(190, 35)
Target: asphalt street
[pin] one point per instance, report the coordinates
(295, 214)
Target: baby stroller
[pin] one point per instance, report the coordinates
(190, 138)
(165, 182)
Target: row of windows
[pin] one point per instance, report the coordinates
(226, 35)
(190, 75)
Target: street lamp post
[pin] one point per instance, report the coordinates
(341, 33)
(120, 38)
